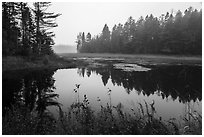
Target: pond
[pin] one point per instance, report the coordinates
(175, 90)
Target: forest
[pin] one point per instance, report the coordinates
(179, 33)
(26, 30)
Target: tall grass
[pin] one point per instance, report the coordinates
(80, 119)
(18, 62)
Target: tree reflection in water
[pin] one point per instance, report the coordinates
(182, 82)
(33, 89)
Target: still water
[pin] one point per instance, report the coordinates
(174, 89)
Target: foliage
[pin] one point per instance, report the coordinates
(168, 34)
(26, 31)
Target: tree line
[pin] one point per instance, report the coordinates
(169, 34)
(26, 30)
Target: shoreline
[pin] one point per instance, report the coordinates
(71, 60)
(12, 63)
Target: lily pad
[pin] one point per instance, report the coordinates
(130, 67)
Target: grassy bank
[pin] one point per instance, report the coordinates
(19, 62)
(140, 59)
(68, 60)
(82, 120)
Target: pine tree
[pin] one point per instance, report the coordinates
(106, 33)
(44, 22)
(79, 41)
(27, 30)
(105, 43)
(10, 28)
(88, 37)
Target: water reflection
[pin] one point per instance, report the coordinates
(182, 82)
(33, 89)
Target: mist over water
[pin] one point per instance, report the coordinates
(64, 49)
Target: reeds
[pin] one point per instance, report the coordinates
(80, 119)
(113, 120)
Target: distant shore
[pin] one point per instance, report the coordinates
(141, 59)
(70, 60)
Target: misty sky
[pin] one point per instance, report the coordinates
(91, 17)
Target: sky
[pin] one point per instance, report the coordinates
(91, 17)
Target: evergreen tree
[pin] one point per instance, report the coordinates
(105, 43)
(128, 33)
(44, 22)
(27, 30)
(83, 38)
(10, 28)
(106, 33)
(88, 37)
(79, 41)
(114, 39)
(139, 36)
